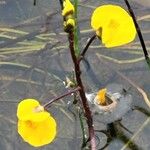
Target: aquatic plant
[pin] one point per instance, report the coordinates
(35, 124)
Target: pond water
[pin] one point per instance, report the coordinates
(35, 60)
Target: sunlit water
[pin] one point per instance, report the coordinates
(34, 61)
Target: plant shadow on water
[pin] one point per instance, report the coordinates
(34, 62)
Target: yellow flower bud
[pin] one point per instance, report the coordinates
(71, 22)
(69, 25)
(68, 8)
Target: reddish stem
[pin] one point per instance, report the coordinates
(61, 96)
(87, 111)
(87, 46)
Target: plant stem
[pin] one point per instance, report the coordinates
(61, 4)
(34, 2)
(82, 129)
(61, 96)
(138, 31)
(87, 111)
(87, 46)
(74, 51)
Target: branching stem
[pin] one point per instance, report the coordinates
(87, 111)
(76, 62)
(87, 46)
(61, 96)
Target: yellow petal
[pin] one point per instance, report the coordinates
(38, 133)
(71, 22)
(114, 25)
(68, 8)
(27, 111)
(101, 96)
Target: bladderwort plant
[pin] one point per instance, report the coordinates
(113, 26)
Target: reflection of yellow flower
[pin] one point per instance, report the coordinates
(113, 25)
(68, 8)
(101, 96)
(35, 125)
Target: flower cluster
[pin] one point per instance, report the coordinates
(113, 25)
(35, 125)
(68, 12)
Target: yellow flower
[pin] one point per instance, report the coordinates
(113, 25)
(101, 96)
(68, 8)
(69, 25)
(71, 22)
(35, 125)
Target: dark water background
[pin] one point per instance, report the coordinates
(34, 61)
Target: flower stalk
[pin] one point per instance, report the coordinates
(34, 2)
(87, 46)
(87, 111)
(139, 33)
(48, 104)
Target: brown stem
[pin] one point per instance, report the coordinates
(61, 4)
(87, 46)
(61, 96)
(138, 30)
(87, 111)
(34, 2)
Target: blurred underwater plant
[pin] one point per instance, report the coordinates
(117, 103)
